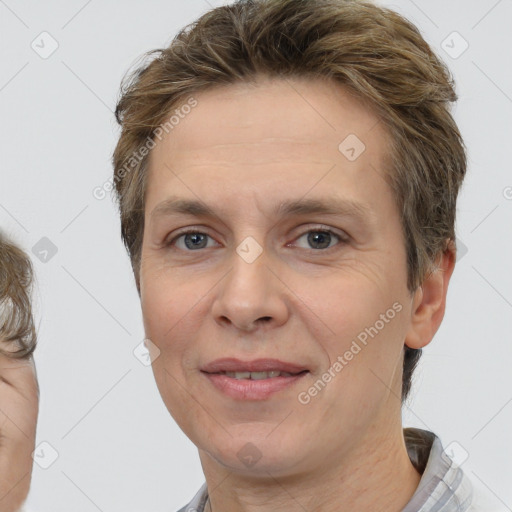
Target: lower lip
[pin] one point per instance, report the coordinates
(248, 389)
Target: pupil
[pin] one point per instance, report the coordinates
(191, 240)
(319, 237)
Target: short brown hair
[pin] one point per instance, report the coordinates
(371, 51)
(16, 320)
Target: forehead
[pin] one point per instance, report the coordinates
(271, 119)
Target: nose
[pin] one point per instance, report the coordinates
(251, 296)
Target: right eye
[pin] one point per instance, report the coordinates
(190, 240)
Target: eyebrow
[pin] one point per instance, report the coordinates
(327, 206)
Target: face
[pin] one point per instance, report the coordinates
(296, 256)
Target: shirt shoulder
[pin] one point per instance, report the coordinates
(444, 485)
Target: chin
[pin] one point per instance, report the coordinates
(252, 462)
(256, 454)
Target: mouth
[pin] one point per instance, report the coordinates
(258, 375)
(252, 380)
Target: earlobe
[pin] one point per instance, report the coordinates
(429, 301)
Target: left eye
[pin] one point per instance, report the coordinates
(320, 239)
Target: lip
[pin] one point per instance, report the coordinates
(231, 364)
(248, 389)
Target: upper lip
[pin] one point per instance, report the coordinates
(231, 364)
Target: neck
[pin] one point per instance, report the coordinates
(377, 475)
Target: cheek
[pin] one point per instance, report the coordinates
(347, 302)
(172, 315)
(169, 324)
(165, 304)
(367, 331)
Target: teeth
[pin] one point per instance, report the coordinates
(257, 375)
(239, 375)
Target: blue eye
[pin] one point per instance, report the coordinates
(192, 239)
(320, 239)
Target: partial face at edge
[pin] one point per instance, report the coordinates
(303, 288)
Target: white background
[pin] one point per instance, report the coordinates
(118, 448)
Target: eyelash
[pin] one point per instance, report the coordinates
(318, 229)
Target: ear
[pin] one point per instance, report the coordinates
(430, 300)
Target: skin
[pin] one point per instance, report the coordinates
(19, 406)
(243, 150)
